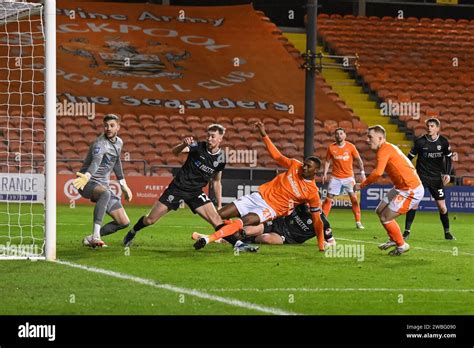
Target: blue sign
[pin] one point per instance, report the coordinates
(458, 198)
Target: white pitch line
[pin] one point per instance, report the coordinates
(419, 248)
(179, 290)
(334, 290)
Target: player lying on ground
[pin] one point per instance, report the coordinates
(295, 228)
(275, 198)
(93, 182)
(341, 154)
(405, 195)
(432, 148)
(204, 163)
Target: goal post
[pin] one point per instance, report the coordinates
(50, 101)
(27, 129)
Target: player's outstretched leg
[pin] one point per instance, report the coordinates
(156, 212)
(120, 221)
(222, 232)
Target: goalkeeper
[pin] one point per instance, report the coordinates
(93, 182)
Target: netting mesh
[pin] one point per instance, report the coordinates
(22, 129)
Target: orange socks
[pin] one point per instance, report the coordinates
(327, 206)
(355, 208)
(229, 229)
(394, 232)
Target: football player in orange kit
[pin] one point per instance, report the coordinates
(405, 195)
(275, 198)
(342, 153)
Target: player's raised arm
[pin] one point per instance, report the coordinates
(274, 152)
(183, 147)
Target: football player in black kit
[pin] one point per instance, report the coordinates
(295, 228)
(205, 163)
(434, 166)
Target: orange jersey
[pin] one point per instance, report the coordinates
(288, 189)
(397, 166)
(342, 158)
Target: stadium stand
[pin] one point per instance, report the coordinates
(149, 136)
(425, 61)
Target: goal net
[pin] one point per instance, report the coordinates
(25, 124)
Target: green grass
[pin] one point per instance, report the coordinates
(290, 278)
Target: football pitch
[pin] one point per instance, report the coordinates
(162, 274)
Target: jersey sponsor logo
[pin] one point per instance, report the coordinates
(203, 167)
(344, 157)
(301, 223)
(434, 154)
(293, 185)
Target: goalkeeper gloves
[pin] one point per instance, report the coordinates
(81, 181)
(126, 190)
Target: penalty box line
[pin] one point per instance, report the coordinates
(179, 290)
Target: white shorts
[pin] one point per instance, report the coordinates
(254, 203)
(402, 201)
(337, 186)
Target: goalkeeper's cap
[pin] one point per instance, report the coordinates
(110, 117)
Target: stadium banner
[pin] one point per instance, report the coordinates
(342, 201)
(155, 59)
(235, 188)
(458, 198)
(22, 188)
(146, 189)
